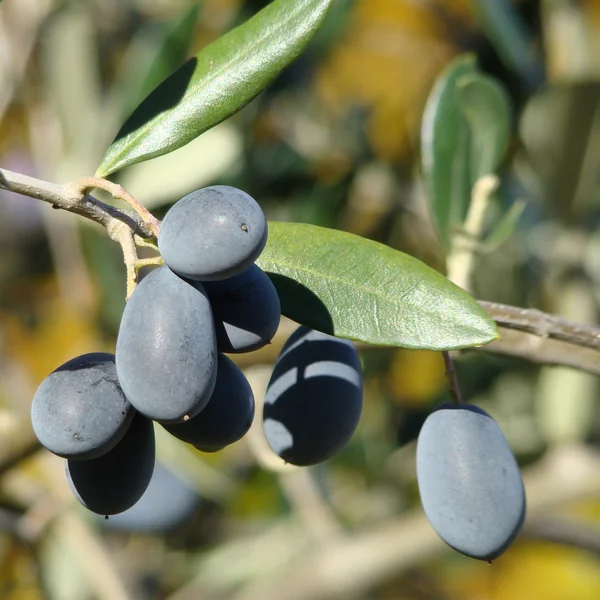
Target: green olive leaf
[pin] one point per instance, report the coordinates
(220, 80)
(445, 149)
(505, 227)
(488, 112)
(355, 288)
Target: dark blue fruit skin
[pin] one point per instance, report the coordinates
(80, 411)
(166, 503)
(316, 415)
(213, 233)
(470, 484)
(228, 415)
(246, 310)
(114, 482)
(166, 352)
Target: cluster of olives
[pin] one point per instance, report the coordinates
(170, 367)
(170, 364)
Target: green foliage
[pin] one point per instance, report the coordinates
(465, 133)
(487, 111)
(355, 288)
(505, 227)
(329, 280)
(220, 80)
(444, 149)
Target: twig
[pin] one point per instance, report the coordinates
(122, 227)
(95, 560)
(543, 351)
(144, 243)
(123, 236)
(147, 262)
(89, 183)
(527, 334)
(574, 532)
(543, 324)
(356, 564)
(308, 503)
(452, 378)
(68, 197)
(462, 257)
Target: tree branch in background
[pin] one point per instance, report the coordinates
(358, 562)
(544, 339)
(461, 260)
(527, 334)
(543, 351)
(17, 442)
(564, 531)
(543, 325)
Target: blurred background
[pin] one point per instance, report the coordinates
(334, 142)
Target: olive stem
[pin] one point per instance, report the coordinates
(140, 263)
(72, 199)
(461, 260)
(124, 237)
(452, 378)
(144, 243)
(120, 193)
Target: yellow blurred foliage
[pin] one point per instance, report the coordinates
(585, 509)
(257, 497)
(530, 571)
(18, 574)
(591, 9)
(386, 63)
(416, 376)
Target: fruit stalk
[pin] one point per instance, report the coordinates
(452, 378)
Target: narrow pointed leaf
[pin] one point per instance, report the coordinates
(487, 110)
(505, 227)
(445, 149)
(355, 288)
(220, 80)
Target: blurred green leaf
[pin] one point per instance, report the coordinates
(359, 289)
(505, 227)
(487, 109)
(220, 80)
(445, 149)
(171, 50)
(62, 71)
(465, 133)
